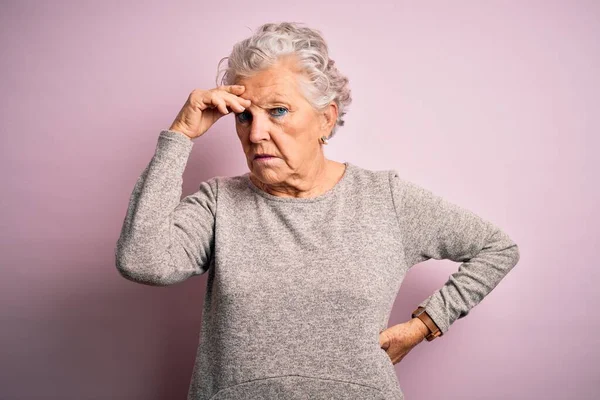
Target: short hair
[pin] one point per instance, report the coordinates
(324, 83)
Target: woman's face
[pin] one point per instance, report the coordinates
(280, 122)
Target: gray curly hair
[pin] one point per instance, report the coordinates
(272, 41)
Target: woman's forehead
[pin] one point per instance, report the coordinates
(270, 87)
(267, 97)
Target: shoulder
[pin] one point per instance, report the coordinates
(365, 177)
(389, 180)
(391, 183)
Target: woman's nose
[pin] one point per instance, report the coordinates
(259, 130)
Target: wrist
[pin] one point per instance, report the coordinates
(176, 128)
(433, 330)
(420, 327)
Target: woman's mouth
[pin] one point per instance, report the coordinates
(264, 158)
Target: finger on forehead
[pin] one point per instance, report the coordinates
(231, 88)
(235, 96)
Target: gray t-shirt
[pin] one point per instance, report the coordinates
(298, 289)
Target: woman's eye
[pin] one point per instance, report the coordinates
(277, 112)
(282, 109)
(240, 116)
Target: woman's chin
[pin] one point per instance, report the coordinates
(265, 174)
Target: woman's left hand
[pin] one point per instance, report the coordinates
(400, 339)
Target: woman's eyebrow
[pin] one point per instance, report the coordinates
(265, 103)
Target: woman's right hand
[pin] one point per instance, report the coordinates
(204, 107)
(400, 339)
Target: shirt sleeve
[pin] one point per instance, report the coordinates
(165, 239)
(433, 227)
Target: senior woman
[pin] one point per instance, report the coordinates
(305, 255)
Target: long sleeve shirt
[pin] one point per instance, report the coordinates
(298, 289)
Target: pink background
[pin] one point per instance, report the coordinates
(493, 105)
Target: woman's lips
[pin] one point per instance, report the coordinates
(264, 158)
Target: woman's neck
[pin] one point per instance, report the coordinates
(311, 184)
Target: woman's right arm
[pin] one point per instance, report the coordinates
(165, 240)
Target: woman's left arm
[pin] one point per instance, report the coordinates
(433, 227)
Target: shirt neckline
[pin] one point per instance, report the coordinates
(330, 193)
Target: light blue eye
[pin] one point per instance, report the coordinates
(281, 108)
(242, 116)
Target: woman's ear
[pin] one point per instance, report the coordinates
(329, 119)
